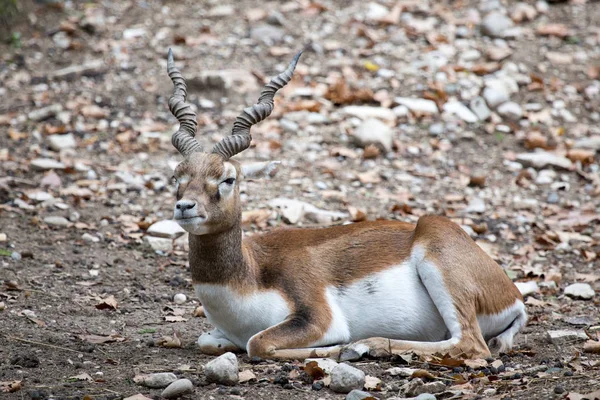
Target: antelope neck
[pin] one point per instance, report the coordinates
(218, 258)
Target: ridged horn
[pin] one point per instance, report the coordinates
(240, 134)
(184, 139)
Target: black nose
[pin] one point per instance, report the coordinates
(185, 205)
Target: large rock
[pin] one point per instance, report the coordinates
(373, 131)
(496, 24)
(560, 337)
(178, 388)
(223, 370)
(422, 106)
(354, 352)
(580, 291)
(345, 378)
(166, 229)
(159, 380)
(159, 244)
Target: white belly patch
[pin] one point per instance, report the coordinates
(239, 317)
(392, 303)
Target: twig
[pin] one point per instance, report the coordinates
(43, 344)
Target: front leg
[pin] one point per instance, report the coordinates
(215, 343)
(294, 334)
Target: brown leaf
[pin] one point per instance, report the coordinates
(169, 342)
(257, 217)
(558, 30)
(421, 373)
(199, 312)
(246, 376)
(584, 156)
(10, 386)
(312, 368)
(371, 152)
(451, 362)
(101, 339)
(591, 346)
(109, 303)
(477, 363)
(341, 93)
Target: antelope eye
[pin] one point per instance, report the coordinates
(229, 181)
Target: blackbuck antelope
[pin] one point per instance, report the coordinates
(298, 293)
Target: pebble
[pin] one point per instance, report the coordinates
(373, 131)
(61, 142)
(368, 112)
(460, 110)
(179, 298)
(510, 110)
(354, 352)
(417, 387)
(402, 372)
(56, 221)
(345, 378)
(223, 370)
(541, 159)
(376, 11)
(400, 111)
(44, 113)
(480, 109)
(560, 337)
(359, 395)
(178, 388)
(552, 198)
(423, 106)
(546, 177)
(527, 288)
(326, 364)
(592, 143)
(44, 164)
(496, 24)
(495, 93)
(86, 237)
(159, 380)
(267, 34)
(166, 229)
(580, 291)
(133, 33)
(476, 205)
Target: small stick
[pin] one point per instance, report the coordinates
(43, 344)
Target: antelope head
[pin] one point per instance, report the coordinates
(208, 199)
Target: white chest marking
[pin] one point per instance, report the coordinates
(241, 316)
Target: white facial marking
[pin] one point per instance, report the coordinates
(226, 188)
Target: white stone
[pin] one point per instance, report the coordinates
(480, 109)
(178, 389)
(496, 24)
(166, 229)
(359, 395)
(44, 113)
(417, 387)
(592, 143)
(376, 11)
(510, 110)
(159, 380)
(460, 110)
(560, 337)
(373, 131)
(476, 205)
(400, 111)
(495, 95)
(580, 291)
(223, 370)
(470, 55)
(56, 221)
(40, 196)
(267, 34)
(133, 33)
(159, 244)
(541, 159)
(545, 177)
(418, 105)
(86, 237)
(43, 164)
(402, 372)
(179, 298)
(367, 112)
(345, 378)
(61, 142)
(527, 288)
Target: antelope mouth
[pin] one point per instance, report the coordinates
(190, 220)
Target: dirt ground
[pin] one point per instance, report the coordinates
(115, 181)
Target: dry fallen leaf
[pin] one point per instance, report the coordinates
(591, 346)
(109, 303)
(174, 318)
(101, 339)
(169, 342)
(372, 383)
(312, 368)
(357, 214)
(477, 363)
(246, 376)
(199, 312)
(10, 386)
(558, 30)
(82, 377)
(422, 373)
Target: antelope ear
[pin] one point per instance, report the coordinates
(259, 170)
